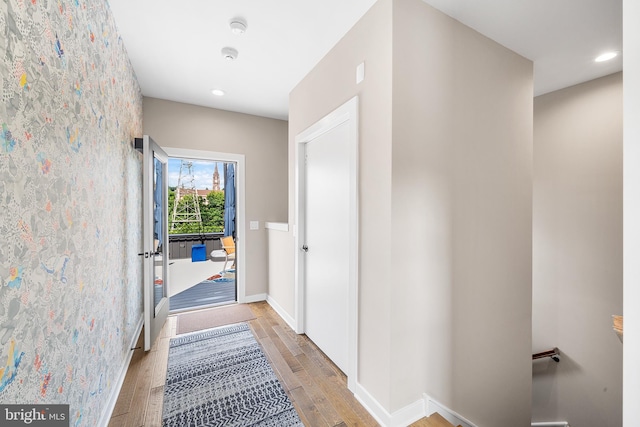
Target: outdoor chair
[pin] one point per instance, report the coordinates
(228, 251)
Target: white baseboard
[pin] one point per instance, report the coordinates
(372, 406)
(454, 418)
(551, 424)
(115, 391)
(409, 414)
(281, 312)
(254, 298)
(400, 418)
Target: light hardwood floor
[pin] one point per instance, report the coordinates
(317, 388)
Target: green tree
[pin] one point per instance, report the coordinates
(215, 208)
(211, 212)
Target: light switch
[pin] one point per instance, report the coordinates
(254, 225)
(360, 73)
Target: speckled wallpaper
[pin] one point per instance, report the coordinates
(70, 210)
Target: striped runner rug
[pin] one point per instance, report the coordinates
(221, 377)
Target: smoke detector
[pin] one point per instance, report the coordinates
(238, 26)
(229, 53)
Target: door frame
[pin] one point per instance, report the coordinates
(239, 160)
(346, 113)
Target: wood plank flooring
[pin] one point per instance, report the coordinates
(317, 388)
(435, 420)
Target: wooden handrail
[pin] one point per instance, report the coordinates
(617, 326)
(554, 354)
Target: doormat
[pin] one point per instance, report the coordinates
(213, 317)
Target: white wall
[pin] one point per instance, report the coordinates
(577, 253)
(631, 95)
(263, 142)
(281, 268)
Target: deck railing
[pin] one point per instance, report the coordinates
(180, 244)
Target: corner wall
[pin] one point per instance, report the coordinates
(445, 210)
(70, 211)
(330, 84)
(577, 253)
(261, 140)
(461, 209)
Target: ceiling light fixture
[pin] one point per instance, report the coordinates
(238, 26)
(606, 56)
(218, 92)
(229, 53)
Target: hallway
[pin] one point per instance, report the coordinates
(317, 388)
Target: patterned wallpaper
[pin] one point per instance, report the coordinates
(70, 210)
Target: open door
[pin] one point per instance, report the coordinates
(156, 238)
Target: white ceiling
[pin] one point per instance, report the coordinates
(175, 46)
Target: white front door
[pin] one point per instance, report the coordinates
(326, 234)
(155, 239)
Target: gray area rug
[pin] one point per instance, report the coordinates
(221, 377)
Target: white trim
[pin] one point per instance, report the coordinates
(551, 424)
(409, 414)
(631, 213)
(372, 406)
(281, 311)
(400, 418)
(239, 159)
(348, 112)
(255, 298)
(279, 226)
(298, 269)
(450, 415)
(117, 387)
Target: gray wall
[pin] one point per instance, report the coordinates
(330, 84)
(263, 142)
(445, 208)
(577, 253)
(461, 208)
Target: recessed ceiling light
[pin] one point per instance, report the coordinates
(218, 92)
(238, 26)
(229, 53)
(606, 56)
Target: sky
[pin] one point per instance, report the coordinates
(202, 173)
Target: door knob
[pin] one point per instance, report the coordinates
(305, 248)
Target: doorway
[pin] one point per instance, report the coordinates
(212, 271)
(327, 236)
(202, 196)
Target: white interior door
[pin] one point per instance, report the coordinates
(327, 236)
(156, 239)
